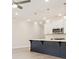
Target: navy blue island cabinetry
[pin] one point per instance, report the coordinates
(54, 48)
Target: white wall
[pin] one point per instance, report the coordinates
(54, 24)
(23, 31)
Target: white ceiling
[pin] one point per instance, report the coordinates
(38, 9)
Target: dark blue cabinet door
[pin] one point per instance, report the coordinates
(63, 50)
(51, 48)
(37, 46)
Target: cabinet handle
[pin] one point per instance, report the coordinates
(60, 44)
(42, 42)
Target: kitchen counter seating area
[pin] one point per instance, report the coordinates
(50, 47)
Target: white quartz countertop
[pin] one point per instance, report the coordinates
(49, 40)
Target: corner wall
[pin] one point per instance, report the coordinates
(23, 31)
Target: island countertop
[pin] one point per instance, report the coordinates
(49, 40)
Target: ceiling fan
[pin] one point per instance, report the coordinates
(18, 4)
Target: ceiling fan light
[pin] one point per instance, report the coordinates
(14, 6)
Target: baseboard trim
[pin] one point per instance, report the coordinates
(20, 47)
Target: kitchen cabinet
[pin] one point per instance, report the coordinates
(49, 47)
(63, 50)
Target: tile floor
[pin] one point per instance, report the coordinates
(24, 53)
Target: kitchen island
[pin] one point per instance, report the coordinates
(50, 47)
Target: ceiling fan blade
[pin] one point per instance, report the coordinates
(22, 2)
(20, 7)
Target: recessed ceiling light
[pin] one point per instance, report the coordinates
(59, 14)
(28, 20)
(47, 21)
(46, 0)
(35, 23)
(16, 13)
